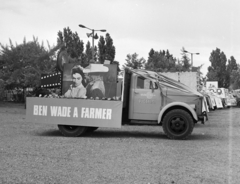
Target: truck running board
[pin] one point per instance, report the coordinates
(142, 122)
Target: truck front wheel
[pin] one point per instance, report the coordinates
(178, 124)
(72, 131)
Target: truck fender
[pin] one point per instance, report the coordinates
(187, 106)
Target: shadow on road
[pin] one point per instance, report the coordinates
(48, 133)
(125, 134)
(201, 137)
(106, 134)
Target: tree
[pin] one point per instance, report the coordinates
(156, 61)
(149, 65)
(235, 79)
(231, 66)
(24, 63)
(110, 48)
(101, 49)
(133, 62)
(72, 43)
(171, 62)
(106, 49)
(161, 61)
(150, 54)
(87, 55)
(178, 66)
(185, 61)
(217, 70)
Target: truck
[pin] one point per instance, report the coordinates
(146, 98)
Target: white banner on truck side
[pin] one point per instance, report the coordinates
(95, 113)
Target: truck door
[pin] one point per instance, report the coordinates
(146, 99)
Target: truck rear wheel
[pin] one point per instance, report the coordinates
(72, 131)
(178, 124)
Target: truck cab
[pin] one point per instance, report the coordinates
(151, 98)
(145, 99)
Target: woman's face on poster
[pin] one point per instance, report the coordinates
(77, 79)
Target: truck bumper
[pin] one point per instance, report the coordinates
(203, 117)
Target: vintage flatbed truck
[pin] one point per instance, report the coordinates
(147, 98)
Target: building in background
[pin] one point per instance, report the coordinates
(190, 79)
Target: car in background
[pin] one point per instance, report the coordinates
(231, 101)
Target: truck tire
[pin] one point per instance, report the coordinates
(72, 131)
(178, 124)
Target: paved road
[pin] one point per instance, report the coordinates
(37, 153)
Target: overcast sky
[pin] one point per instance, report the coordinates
(134, 25)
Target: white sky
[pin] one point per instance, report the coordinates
(134, 25)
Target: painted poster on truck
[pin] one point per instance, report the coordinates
(96, 81)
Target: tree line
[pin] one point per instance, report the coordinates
(160, 61)
(225, 71)
(21, 65)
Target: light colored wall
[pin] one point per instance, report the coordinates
(190, 79)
